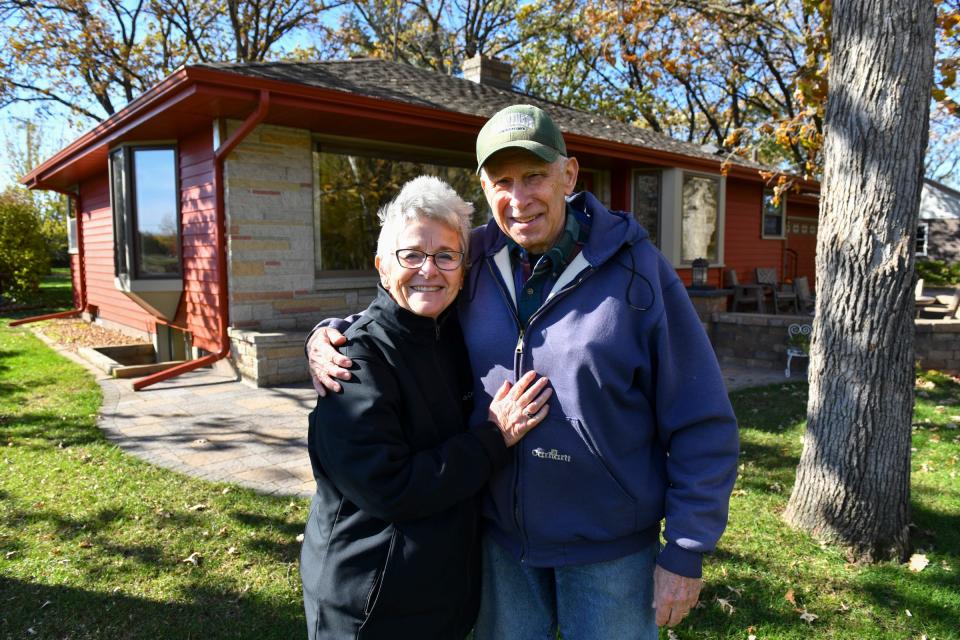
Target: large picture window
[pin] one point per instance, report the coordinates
(774, 216)
(352, 185)
(146, 214)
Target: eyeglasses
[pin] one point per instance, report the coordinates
(444, 260)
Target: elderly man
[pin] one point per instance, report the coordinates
(640, 428)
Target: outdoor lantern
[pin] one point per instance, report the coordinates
(700, 273)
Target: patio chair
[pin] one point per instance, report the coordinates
(749, 294)
(779, 293)
(946, 307)
(805, 299)
(798, 344)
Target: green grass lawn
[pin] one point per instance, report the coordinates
(96, 544)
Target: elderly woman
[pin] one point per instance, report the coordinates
(391, 544)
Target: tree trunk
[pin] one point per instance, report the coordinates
(853, 480)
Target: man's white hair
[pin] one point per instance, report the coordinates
(423, 197)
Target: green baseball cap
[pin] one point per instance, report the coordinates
(521, 126)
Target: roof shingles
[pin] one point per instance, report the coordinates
(404, 83)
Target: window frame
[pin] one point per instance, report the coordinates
(764, 215)
(659, 173)
(671, 216)
(127, 247)
(925, 226)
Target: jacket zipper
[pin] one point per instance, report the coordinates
(517, 372)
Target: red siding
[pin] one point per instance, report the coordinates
(744, 249)
(805, 244)
(200, 303)
(97, 221)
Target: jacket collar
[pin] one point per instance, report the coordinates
(385, 311)
(609, 231)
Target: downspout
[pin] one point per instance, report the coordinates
(82, 306)
(219, 157)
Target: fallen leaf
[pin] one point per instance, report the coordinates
(194, 559)
(232, 551)
(671, 635)
(84, 544)
(198, 507)
(843, 608)
(734, 590)
(225, 490)
(725, 606)
(808, 617)
(918, 562)
(45, 605)
(789, 597)
(300, 537)
(10, 554)
(909, 615)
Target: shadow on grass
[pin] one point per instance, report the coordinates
(44, 430)
(286, 551)
(771, 409)
(47, 611)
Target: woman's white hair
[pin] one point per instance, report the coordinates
(423, 197)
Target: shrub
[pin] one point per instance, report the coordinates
(24, 254)
(938, 272)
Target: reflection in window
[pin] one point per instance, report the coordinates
(351, 188)
(120, 216)
(774, 216)
(699, 213)
(646, 202)
(146, 207)
(155, 195)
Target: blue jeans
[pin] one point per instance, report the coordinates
(599, 601)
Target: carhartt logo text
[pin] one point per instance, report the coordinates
(553, 454)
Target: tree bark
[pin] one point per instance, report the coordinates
(853, 481)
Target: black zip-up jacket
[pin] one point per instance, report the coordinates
(391, 546)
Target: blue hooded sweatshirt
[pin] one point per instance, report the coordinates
(640, 427)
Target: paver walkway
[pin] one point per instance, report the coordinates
(208, 425)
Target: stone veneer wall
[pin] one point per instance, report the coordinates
(755, 340)
(274, 294)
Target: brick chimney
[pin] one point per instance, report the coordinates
(488, 71)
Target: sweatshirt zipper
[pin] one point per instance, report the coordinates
(518, 371)
(518, 459)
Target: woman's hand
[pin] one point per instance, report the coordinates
(516, 409)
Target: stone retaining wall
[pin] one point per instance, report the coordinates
(755, 340)
(265, 359)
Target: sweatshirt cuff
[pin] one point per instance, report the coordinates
(492, 441)
(678, 560)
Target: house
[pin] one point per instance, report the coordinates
(230, 207)
(938, 225)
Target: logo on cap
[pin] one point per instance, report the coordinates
(515, 122)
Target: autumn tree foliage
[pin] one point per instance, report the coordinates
(441, 34)
(91, 57)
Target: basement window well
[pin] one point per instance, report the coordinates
(145, 198)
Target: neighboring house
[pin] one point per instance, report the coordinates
(230, 207)
(938, 226)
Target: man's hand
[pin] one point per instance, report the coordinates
(673, 596)
(326, 363)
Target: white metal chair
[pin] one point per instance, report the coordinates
(798, 344)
